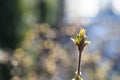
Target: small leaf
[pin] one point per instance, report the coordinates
(81, 78)
(74, 41)
(87, 42)
(82, 32)
(78, 39)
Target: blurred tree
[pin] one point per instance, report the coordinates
(4, 72)
(8, 23)
(51, 11)
(15, 17)
(43, 10)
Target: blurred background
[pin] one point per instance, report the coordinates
(35, 39)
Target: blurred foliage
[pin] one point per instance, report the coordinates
(51, 11)
(43, 56)
(19, 15)
(40, 55)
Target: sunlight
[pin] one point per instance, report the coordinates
(116, 6)
(83, 8)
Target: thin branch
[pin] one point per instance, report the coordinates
(80, 49)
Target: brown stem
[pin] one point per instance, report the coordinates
(80, 49)
(79, 62)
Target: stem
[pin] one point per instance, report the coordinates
(80, 49)
(79, 62)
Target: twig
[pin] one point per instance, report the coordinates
(80, 49)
